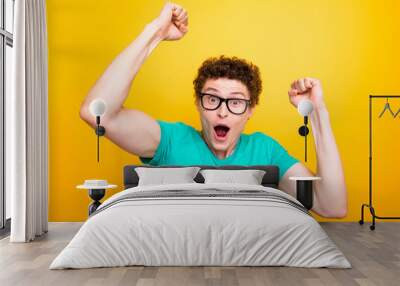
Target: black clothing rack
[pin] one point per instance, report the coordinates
(370, 205)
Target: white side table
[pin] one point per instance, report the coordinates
(304, 191)
(97, 190)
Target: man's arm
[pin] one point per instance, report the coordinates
(133, 130)
(330, 194)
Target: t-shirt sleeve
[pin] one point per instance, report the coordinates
(281, 158)
(163, 148)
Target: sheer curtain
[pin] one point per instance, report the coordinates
(26, 124)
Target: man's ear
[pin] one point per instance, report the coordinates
(250, 113)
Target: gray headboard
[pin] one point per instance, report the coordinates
(270, 179)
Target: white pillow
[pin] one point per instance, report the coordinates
(161, 176)
(249, 177)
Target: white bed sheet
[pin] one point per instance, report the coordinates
(189, 231)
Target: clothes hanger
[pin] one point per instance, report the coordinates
(387, 107)
(398, 111)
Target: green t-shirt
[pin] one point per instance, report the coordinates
(181, 144)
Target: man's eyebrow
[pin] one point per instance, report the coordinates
(238, 92)
(211, 88)
(233, 92)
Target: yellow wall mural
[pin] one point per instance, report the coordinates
(351, 46)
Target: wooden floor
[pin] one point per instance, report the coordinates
(375, 256)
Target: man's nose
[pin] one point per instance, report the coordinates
(223, 111)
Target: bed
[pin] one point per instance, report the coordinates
(201, 223)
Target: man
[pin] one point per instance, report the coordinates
(227, 90)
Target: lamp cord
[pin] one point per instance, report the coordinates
(98, 139)
(305, 145)
(305, 137)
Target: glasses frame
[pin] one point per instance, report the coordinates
(226, 100)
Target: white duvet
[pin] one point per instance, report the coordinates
(200, 230)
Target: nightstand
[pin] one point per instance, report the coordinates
(304, 191)
(97, 190)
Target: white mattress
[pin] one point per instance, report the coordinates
(207, 230)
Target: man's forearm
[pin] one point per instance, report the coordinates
(331, 190)
(114, 84)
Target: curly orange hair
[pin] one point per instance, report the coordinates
(231, 68)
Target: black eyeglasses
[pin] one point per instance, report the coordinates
(235, 105)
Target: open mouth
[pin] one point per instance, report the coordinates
(221, 131)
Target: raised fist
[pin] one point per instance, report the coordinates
(307, 87)
(172, 22)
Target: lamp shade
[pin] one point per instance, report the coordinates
(305, 107)
(97, 107)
